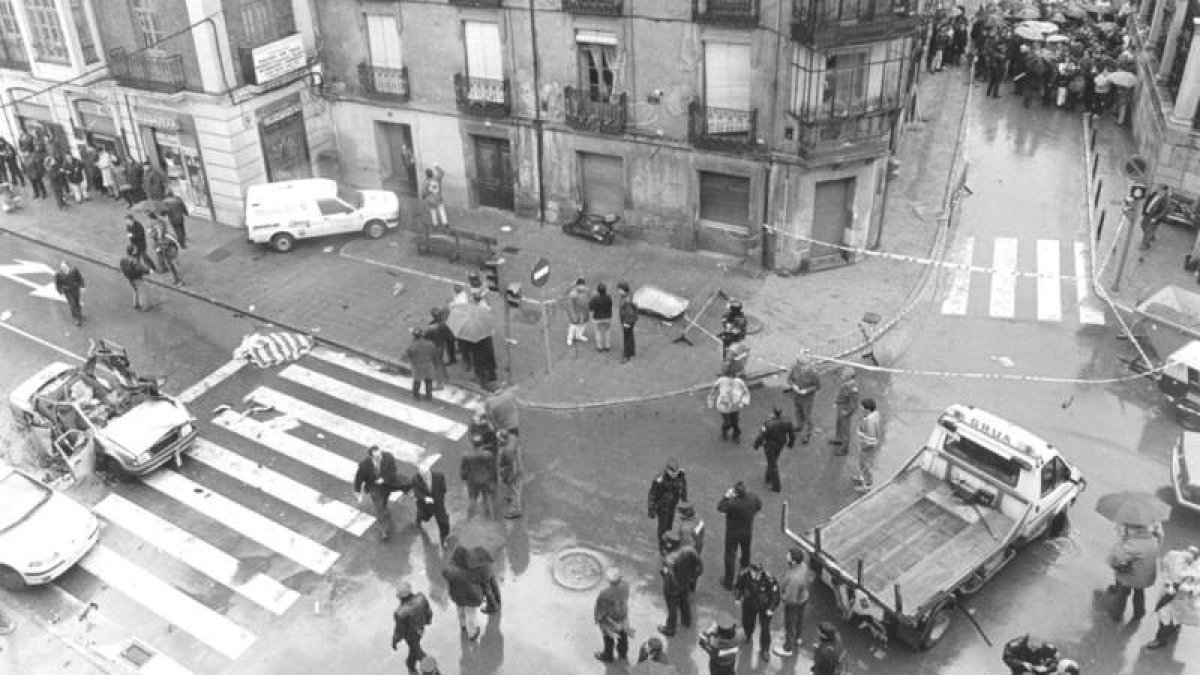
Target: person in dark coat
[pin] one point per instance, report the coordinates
(69, 283)
(135, 236)
(377, 477)
(443, 340)
(154, 182)
(803, 384)
(1134, 561)
(654, 651)
(1024, 656)
(721, 645)
(740, 508)
(11, 163)
(176, 213)
(666, 491)
(75, 173)
(681, 569)
(627, 313)
(166, 249)
(512, 472)
(127, 172)
(429, 490)
(479, 471)
(421, 355)
(35, 171)
(466, 595)
(57, 176)
(772, 437)
(137, 176)
(410, 619)
(846, 404)
(759, 594)
(829, 658)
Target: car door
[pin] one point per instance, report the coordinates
(1056, 487)
(337, 216)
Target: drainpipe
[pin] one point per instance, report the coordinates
(770, 235)
(537, 115)
(221, 65)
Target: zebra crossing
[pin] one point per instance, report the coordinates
(267, 481)
(1015, 288)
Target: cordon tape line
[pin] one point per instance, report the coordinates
(989, 376)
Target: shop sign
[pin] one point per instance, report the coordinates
(280, 110)
(156, 119)
(276, 59)
(86, 107)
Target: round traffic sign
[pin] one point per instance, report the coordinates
(540, 274)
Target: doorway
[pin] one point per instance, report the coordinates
(285, 148)
(493, 172)
(397, 167)
(603, 179)
(833, 208)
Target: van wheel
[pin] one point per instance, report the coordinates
(11, 579)
(283, 242)
(375, 229)
(936, 626)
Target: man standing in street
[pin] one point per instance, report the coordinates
(846, 403)
(429, 491)
(135, 236)
(870, 435)
(69, 284)
(793, 592)
(759, 594)
(666, 491)
(512, 472)
(1134, 561)
(410, 619)
(176, 213)
(601, 307)
(166, 248)
(611, 614)
(478, 469)
(720, 643)
(577, 312)
(689, 528)
(376, 477)
(774, 434)
(681, 569)
(154, 182)
(431, 194)
(804, 382)
(627, 313)
(421, 355)
(729, 394)
(740, 508)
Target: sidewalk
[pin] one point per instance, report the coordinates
(363, 295)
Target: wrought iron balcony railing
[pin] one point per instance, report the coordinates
(147, 70)
(594, 7)
(476, 3)
(607, 116)
(726, 12)
(827, 23)
(835, 134)
(383, 82)
(482, 96)
(722, 128)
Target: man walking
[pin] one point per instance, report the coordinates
(611, 614)
(512, 472)
(729, 394)
(443, 340)
(377, 478)
(421, 355)
(154, 182)
(845, 404)
(772, 437)
(870, 435)
(69, 283)
(577, 312)
(410, 619)
(759, 594)
(1153, 211)
(804, 383)
(176, 212)
(478, 470)
(681, 568)
(667, 490)
(627, 313)
(1134, 561)
(429, 491)
(465, 593)
(135, 273)
(689, 528)
(740, 508)
(793, 593)
(135, 235)
(35, 171)
(431, 194)
(601, 307)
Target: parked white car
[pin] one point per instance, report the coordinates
(42, 532)
(280, 213)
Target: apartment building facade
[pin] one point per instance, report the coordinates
(740, 126)
(216, 92)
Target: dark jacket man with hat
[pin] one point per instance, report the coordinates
(740, 507)
(681, 569)
(422, 355)
(429, 490)
(410, 619)
(772, 437)
(666, 491)
(829, 658)
(846, 403)
(689, 528)
(759, 594)
(720, 643)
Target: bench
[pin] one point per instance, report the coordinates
(457, 244)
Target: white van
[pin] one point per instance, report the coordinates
(280, 213)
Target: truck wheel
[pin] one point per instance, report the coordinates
(374, 229)
(936, 626)
(283, 242)
(10, 579)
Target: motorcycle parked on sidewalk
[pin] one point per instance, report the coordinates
(597, 227)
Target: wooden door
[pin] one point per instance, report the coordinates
(603, 179)
(833, 206)
(493, 172)
(397, 167)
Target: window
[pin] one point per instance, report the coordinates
(10, 34)
(1054, 473)
(145, 18)
(727, 75)
(333, 207)
(87, 46)
(597, 63)
(725, 198)
(49, 45)
(845, 81)
(1006, 471)
(265, 21)
(483, 50)
(383, 41)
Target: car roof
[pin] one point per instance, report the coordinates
(311, 187)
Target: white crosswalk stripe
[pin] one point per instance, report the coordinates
(447, 394)
(288, 445)
(1013, 290)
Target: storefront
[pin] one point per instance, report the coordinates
(170, 141)
(96, 128)
(284, 139)
(35, 118)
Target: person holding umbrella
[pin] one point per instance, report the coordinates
(474, 544)
(1134, 556)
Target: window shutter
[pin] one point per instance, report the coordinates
(483, 50)
(383, 41)
(727, 75)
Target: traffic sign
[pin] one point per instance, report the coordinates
(540, 273)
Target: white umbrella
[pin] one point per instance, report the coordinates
(1053, 39)
(1044, 27)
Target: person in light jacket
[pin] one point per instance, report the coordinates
(611, 614)
(1134, 561)
(729, 395)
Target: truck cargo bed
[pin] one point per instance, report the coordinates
(913, 532)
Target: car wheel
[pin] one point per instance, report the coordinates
(936, 626)
(11, 579)
(375, 229)
(283, 242)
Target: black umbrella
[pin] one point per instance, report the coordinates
(1133, 508)
(475, 543)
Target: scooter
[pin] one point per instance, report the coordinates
(594, 226)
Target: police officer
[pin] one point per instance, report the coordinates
(846, 403)
(803, 383)
(774, 434)
(759, 594)
(720, 643)
(681, 569)
(666, 491)
(733, 325)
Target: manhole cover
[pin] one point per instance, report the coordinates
(579, 569)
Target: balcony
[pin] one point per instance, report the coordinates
(384, 83)
(476, 3)
(743, 13)
(481, 96)
(147, 70)
(586, 114)
(864, 132)
(723, 129)
(593, 7)
(828, 23)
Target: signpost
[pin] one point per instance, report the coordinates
(538, 276)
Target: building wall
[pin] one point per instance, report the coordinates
(1171, 149)
(115, 23)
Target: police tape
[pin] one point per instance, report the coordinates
(1013, 377)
